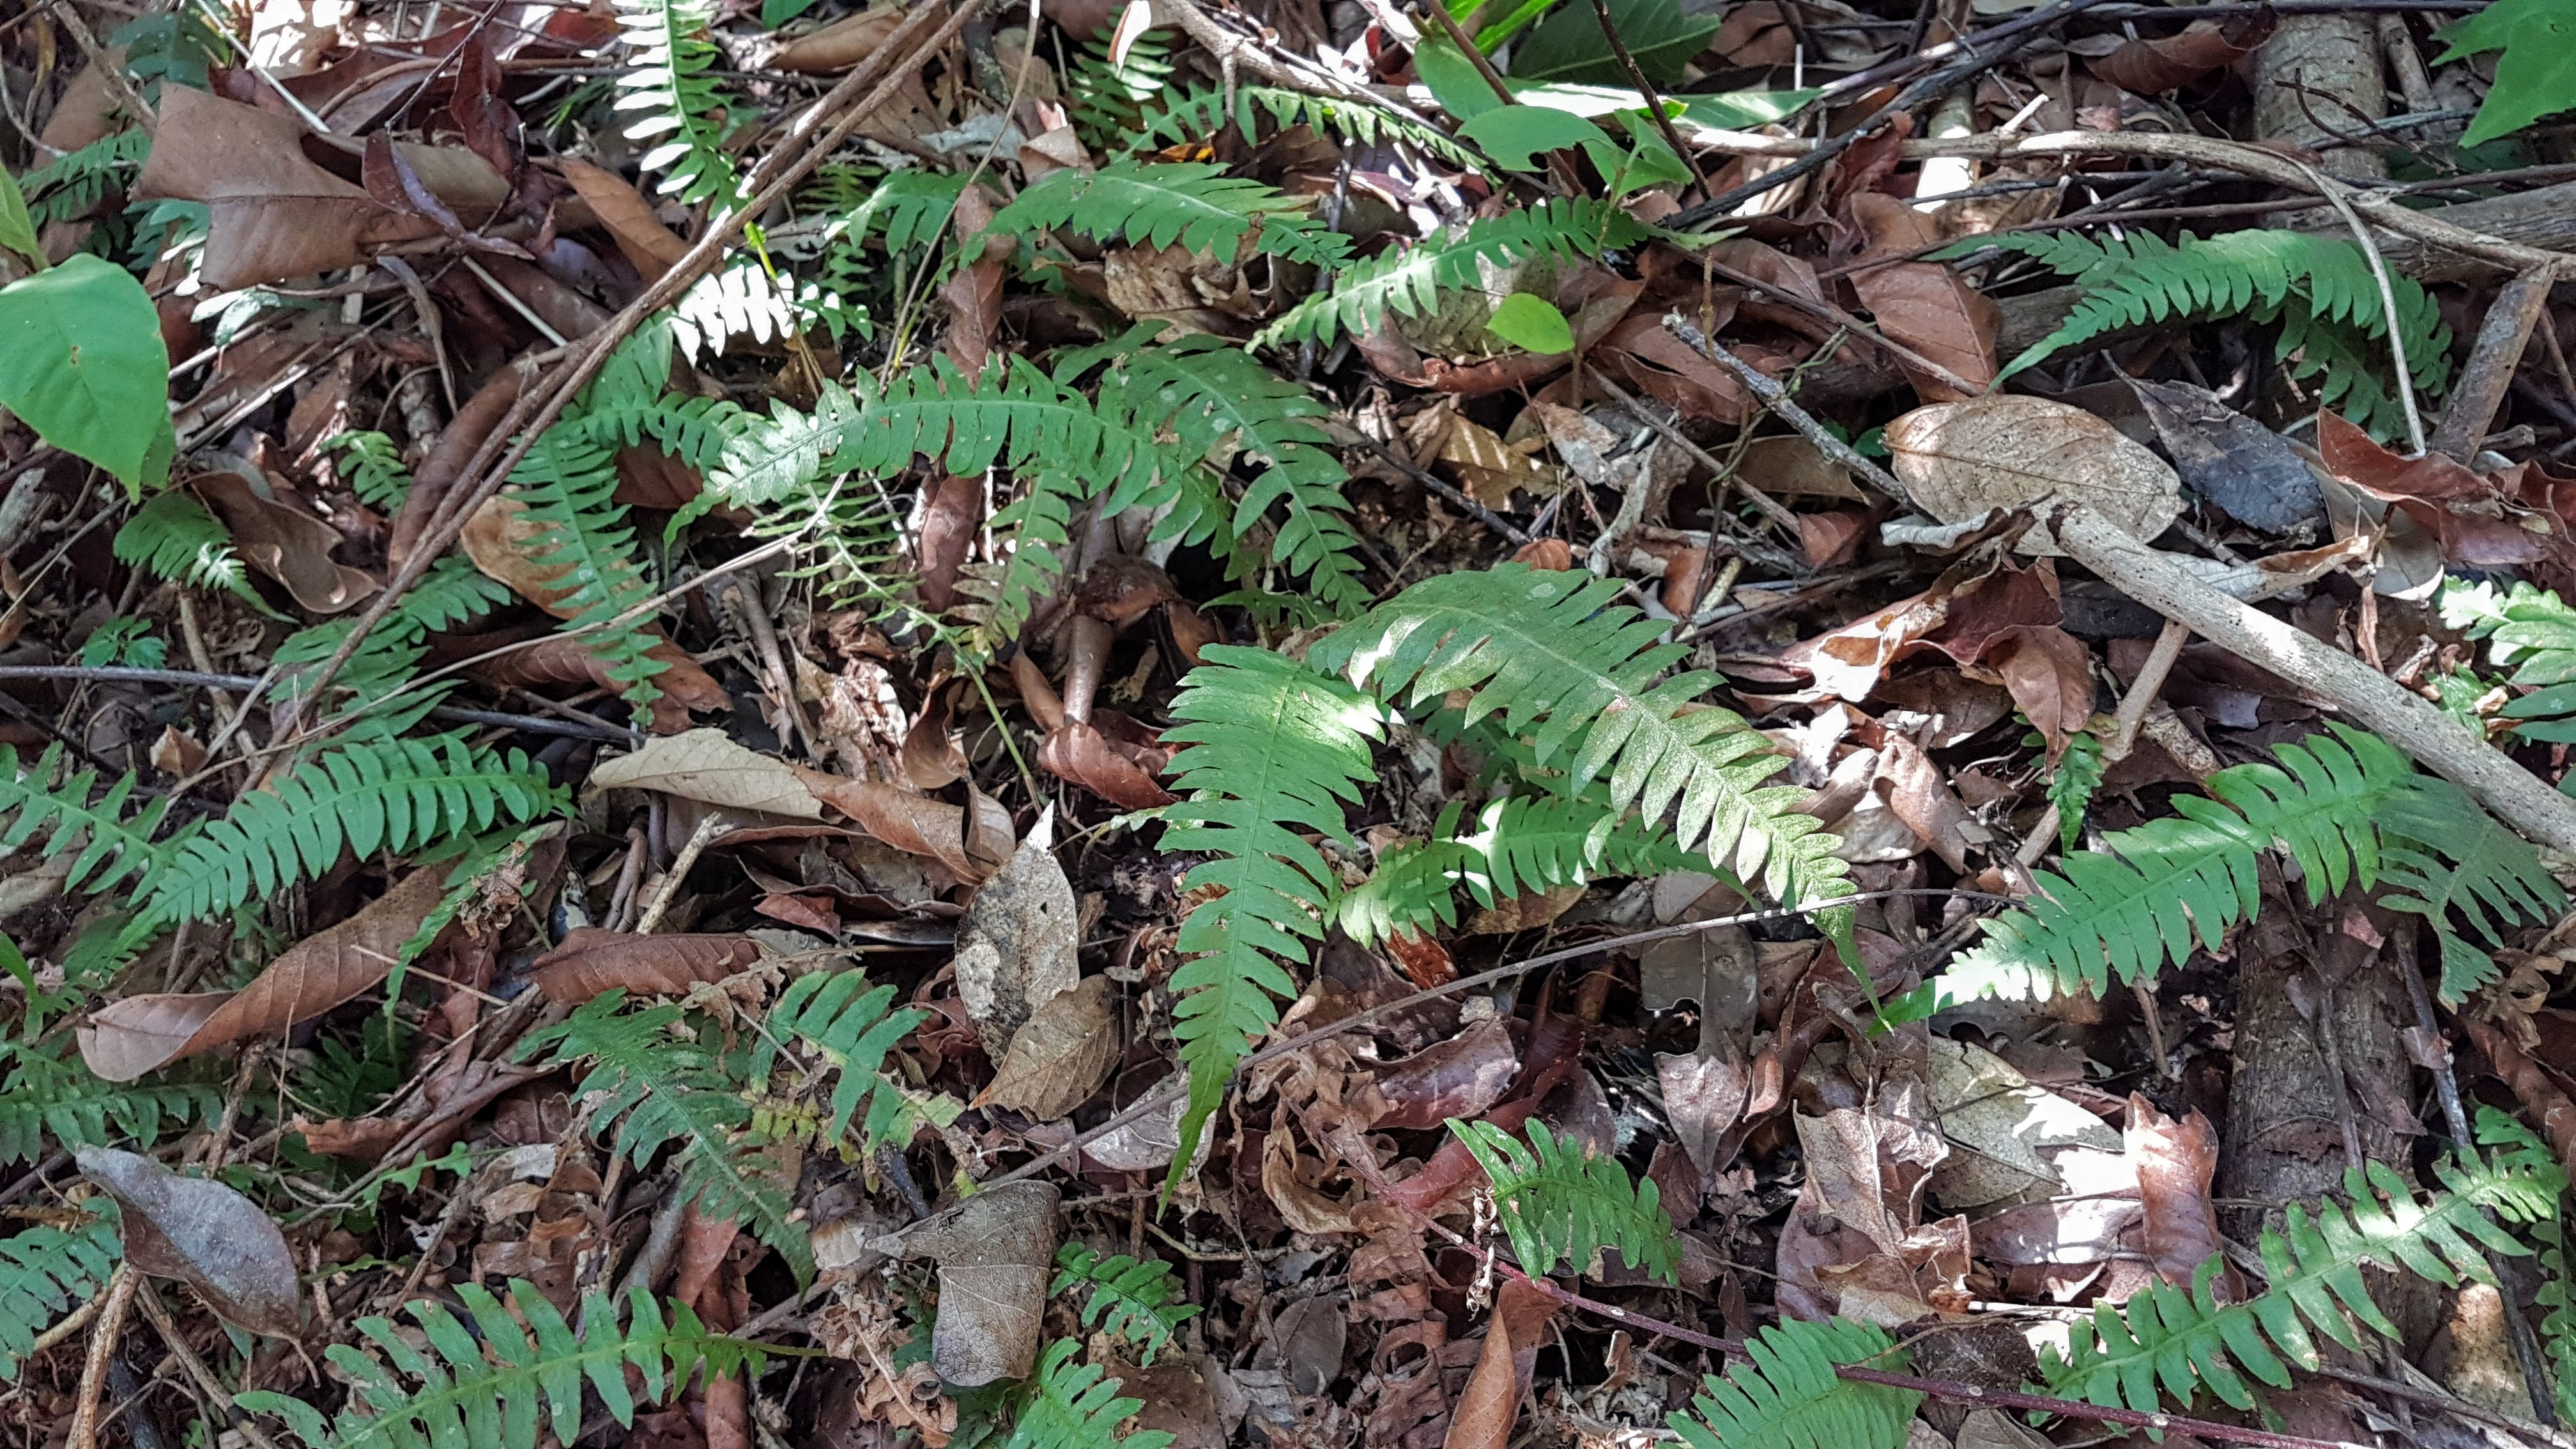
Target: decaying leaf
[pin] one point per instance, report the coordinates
(275, 214)
(203, 1234)
(1960, 460)
(996, 1252)
(1016, 947)
(2230, 459)
(591, 961)
(707, 766)
(1925, 305)
(1061, 1054)
(2176, 1160)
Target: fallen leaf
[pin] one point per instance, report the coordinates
(1924, 305)
(1061, 1054)
(1789, 466)
(2253, 473)
(918, 824)
(1082, 753)
(1310, 1336)
(481, 412)
(1922, 798)
(503, 541)
(1460, 1077)
(841, 44)
(2458, 507)
(2049, 673)
(951, 513)
(630, 219)
(2018, 1141)
(708, 766)
(285, 542)
(2150, 67)
(203, 1234)
(1490, 1403)
(1016, 946)
(996, 1253)
(1666, 368)
(1961, 460)
(127, 1038)
(2175, 1163)
(554, 659)
(591, 961)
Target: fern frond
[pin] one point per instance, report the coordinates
(175, 537)
(663, 1089)
(907, 209)
(1108, 98)
(2555, 1294)
(517, 1371)
(2533, 633)
(1155, 204)
(2121, 912)
(56, 1102)
(1129, 1299)
(1558, 659)
(1073, 1407)
(747, 300)
(1789, 1397)
(670, 83)
(43, 1272)
(1016, 417)
(1274, 751)
(108, 840)
(362, 796)
(849, 1025)
(1409, 282)
(72, 185)
(1199, 112)
(585, 546)
(1032, 528)
(372, 467)
(2181, 1341)
(1522, 845)
(2440, 854)
(2072, 781)
(1560, 1203)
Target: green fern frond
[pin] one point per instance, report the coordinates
(906, 210)
(850, 1026)
(1074, 1407)
(362, 795)
(2440, 854)
(765, 460)
(2176, 1342)
(1108, 99)
(72, 185)
(1155, 204)
(57, 1102)
(2533, 633)
(2556, 1293)
(1129, 1299)
(662, 1089)
(1789, 1397)
(1560, 1203)
(671, 82)
(517, 1371)
(1199, 112)
(372, 467)
(1560, 660)
(2121, 912)
(2072, 781)
(585, 546)
(44, 1271)
(1274, 752)
(175, 537)
(746, 299)
(1409, 282)
(1033, 529)
(1522, 845)
(111, 840)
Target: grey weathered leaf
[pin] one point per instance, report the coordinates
(995, 1251)
(2230, 459)
(1015, 948)
(205, 1235)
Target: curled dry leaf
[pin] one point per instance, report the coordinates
(1117, 771)
(2152, 66)
(591, 961)
(2230, 459)
(456, 445)
(1924, 305)
(555, 659)
(841, 44)
(286, 543)
(203, 1234)
(628, 216)
(917, 824)
(1016, 946)
(1961, 460)
(996, 1252)
(127, 1038)
(2175, 1162)
(1491, 1401)
(1060, 1055)
(708, 766)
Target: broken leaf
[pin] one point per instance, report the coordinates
(996, 1254)
(1061, 1054)
(1016, 946)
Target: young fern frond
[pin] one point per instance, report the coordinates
(766, 460)
(2072, 781)
(361, 795)
(372, 467)
(517, 1372)
(1074, 1407)
(1129, 1299)
(1558, 659)
(1409, 282)
(664, 1089)
(584, 547)
(58, 1101)
(1108, 98)
(2177, 1342)
(1274, 752)
(1560, 1203)
(112, 836)
(1789, 1396)
(2440, 854)
(1155, 204)
(44, 1271)
(672, 85)
(1522, 845)
(173, 536)
(1200, 112)
(849, 1025)
(72, 185)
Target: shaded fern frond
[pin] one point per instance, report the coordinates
(1129, 1299)
(1073, 1407)
(747, 300)
(1561, 661)
(1108, 98)
(849, 1025)
(2071, 783)
(671, 83)
(1200, 112)
(2169, 1341)
(1274, 752)
(1409, 282)
(372, 467)
(1015, 417)
(2439, 855)
(1789, 1396)
(44, 1271)
(1560, 1203)
(768, 459)
(519, 1370)
(1032, 529)
(108, 840)
(585, 546)
(72, 185)
(52, 1102)
(1522, 845)
(1155, 204)
(2556, 1292)
(175, 537)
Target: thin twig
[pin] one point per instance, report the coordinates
(1775, 397)
(2387, 302)
(710, 825)
(103, 1341)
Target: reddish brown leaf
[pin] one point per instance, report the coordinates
(811, 913)
(841, 44)
(629, 218)
(1424, 960)
(685, 686)
(1922, 798)
(474, 421)
(1491, 1401)
(647, 477)
(2176, 1161)
(1831, 538)
(974, 291)
(2152, 66)
(1116, 771)
(1546, 553)
(929, 757)
(2050, 675)
(1661, 364)
(591, 961)
(1923, 305)
(287, 543)
(950, 518)
(1460, 1077)
(916, 823)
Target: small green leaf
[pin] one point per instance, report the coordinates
(775, 13)
(1454, 80)
(1532, 322)
(2536, 76)
(1517, 136)
(1569, 45)
(81, 362)
(17, 228)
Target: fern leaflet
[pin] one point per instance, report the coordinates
(583, 548)
(44, 1271)
(175, 537)
(62, 1100)
(1522, 845)
(1074, 1407)
(2492, 878)
(671, 82)
(848, 1024)
(1408, 282)
(1108, 98)
(372, 467)
(1200, 112)
(111, 842)
(1561, 1203)
(1129, 1299)
(1155, 204)
(71, 185)
(1789, 1397)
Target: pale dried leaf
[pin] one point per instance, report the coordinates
(203, 1234)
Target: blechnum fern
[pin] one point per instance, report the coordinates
(2555, 1294)
(1156, 204)
(372, 467)
(2319, 289)
(850, 1029)
(2167, 1340)
(1521, 845)
(2531, 632)
(1789, 1397)
(1109, 98)
(174, 537)
(517, 1371)
(1128, 1299)
(48, 1098)
(1408, 282)
(1561, 1203)
(2345, 806)
(672, 85)
(112, 835)
(664, 1089)
(1073, 1406)
(1200, 112)
(2072, 781)
(71, 185)
(43, 1272)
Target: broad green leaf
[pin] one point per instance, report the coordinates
(1569, 46)
(81, 362)
(1454, 80)
(1518, 136)
(775, 13)
(1513, 24)
(17, 228)
(1743, 110)
(1651, 162)
(2537, 74)
(1532, 322)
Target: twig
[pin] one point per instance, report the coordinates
(102, 1343)
(2387, 304)
(710, 825)
(2493, 360)
(1636, 76)
(213, 1387)
(1775, 397)
(2144, 689)
(1456, 499)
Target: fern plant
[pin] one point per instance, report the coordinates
(1522, 845)
(1560, 1203)
(519, 1370)
(2319, 289)
(1409, 282)
(2169, 1340)
(1786, 1395)
(663, 1088)
(372, 467)
(173, 536)
(48, 1098)
(850, 1028)
(2443, 858)
(44, 1271)
(1128, 1299)
(108, 840)
(1155, 204)
(72, 185)
(2072, 781)
(2555, 1294)
(1201, 111)
(1073, 1406)
(2531, 632)
(1112, 101)
(671, 83)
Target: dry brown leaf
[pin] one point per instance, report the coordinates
(628, 216)
(708, 766)
(1663, 366)
(457, 442)
(591, 961)
(2050, 675)
(1924, 305)
(951, 514)
(1960, 460)
(996, 1252)
(841, 44)
(1060, 1055)
(1491, 1401)
(127, 1038)
(503, 540)
(1016, 947)
(286, 543)
(88, 108)
(686, 686)
(2153, 66)
(177, 752)
(2176, 1161)
(916, 823)
(205, 1235)
(1460, 1077)
(1089, 758)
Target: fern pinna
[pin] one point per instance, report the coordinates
(1784, 1393)
(1562, 1203)
(517, 1373)
(43, 1272)
(850, 1028)
(49, 1098)
(1408, 282)
(1522, 845)
(673, 90)
(1159, 204)
(1075, 1406)
(1128, 1299)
